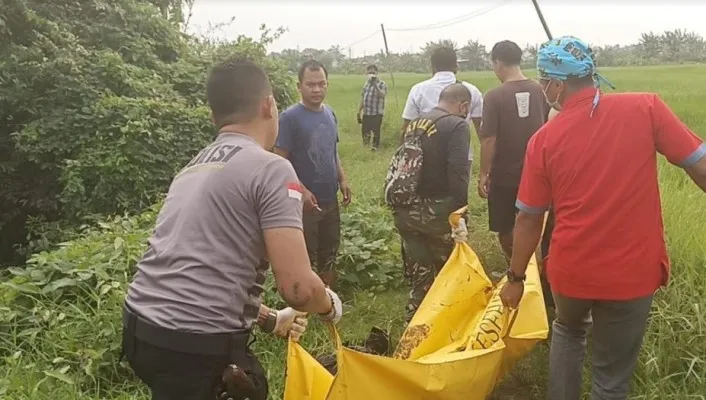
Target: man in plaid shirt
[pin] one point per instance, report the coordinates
(372, 107)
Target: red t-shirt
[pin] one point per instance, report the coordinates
(600, 175)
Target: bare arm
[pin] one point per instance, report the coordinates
(280, 216)
(528, 232)
(697, 173)
(533, 200)
(678, 143)
(341, 174)
(296, 282)
(487, 134)
(487, 152)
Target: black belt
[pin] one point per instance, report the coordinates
(185, 342)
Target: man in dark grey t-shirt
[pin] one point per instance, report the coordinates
(231, 211)
(427, 238)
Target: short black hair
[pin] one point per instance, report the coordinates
(455, 93)
(234, 91)
(372, 66)
(311, 65)
(444, 59)
(507, 52)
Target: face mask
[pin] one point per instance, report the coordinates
(463, 112)
(371, 76)
(553, 104)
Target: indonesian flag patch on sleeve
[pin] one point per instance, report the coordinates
(294, 190)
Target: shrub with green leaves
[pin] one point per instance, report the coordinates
(369, 254)
(101, 103)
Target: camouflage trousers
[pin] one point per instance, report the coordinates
(427, 244)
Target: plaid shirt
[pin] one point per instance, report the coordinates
(374, 97)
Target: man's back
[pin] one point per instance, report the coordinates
(512, 113)
(601, 179)
(445, 168)
(424, 96)
(207, 244)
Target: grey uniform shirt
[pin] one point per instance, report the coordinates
(204, 267)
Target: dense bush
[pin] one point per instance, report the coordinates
(101, 103)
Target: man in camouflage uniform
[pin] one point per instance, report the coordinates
(442, 189)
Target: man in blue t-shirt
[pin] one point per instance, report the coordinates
(308, 138)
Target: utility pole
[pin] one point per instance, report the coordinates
(541, 19)
(384, 39)
(389, 66)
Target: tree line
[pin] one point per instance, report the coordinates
(670, 47)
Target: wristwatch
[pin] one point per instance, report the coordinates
(271, 322)
(512, 277)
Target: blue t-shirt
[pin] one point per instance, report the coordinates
(311, 138)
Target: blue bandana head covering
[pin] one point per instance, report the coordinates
(569, 57)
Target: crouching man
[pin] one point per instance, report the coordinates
(190, 309)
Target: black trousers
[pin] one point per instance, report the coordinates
(322, 233)
(371, 126)
(176, 375)
(501, 208)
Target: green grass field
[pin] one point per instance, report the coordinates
(673, 361)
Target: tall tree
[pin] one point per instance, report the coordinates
(475, 56)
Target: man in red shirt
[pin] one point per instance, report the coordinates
(595, 163)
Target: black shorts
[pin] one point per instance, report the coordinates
(501, 208)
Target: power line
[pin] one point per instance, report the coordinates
(362, 40)
(454, 21)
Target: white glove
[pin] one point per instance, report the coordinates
(336, 310)
(460, 232)
(290, 322)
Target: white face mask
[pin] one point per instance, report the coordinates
(553, 104)
(371, 76)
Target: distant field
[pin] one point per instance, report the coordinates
(673, 363)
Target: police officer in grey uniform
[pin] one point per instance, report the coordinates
(231, 212)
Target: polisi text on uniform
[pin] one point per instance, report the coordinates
(220, 153)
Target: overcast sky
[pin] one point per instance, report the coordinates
(321, 24)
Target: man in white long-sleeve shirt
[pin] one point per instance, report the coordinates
(424, 96)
